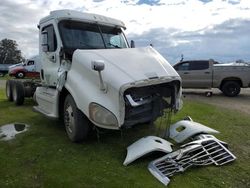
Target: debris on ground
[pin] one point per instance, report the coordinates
(203, 149)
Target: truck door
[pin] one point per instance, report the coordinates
(30, 66)
(195, 74)
(49, 55)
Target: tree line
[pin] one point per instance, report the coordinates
(9, 52)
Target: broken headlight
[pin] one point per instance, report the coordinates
(101, 115)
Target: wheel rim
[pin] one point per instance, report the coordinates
(232, 89)
(20, 74)
(69, 119)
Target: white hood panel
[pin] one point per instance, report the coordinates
(129, 65)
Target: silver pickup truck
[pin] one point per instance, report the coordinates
(229, 78)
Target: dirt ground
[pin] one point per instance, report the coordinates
(240, 103)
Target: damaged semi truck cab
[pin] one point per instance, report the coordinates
(91, 75)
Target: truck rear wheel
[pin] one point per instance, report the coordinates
(231, 88)
(9, 86)
(76, 123)
(20, 75)
(18, 92)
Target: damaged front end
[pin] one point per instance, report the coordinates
(145, 103)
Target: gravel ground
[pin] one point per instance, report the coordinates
(240, 103)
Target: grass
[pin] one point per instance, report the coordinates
(6, 77)
(44, 156)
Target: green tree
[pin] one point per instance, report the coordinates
(9, 53)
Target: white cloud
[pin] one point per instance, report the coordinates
(18, 19)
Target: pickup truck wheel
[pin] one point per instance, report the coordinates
(76, 123)
(20, 75)
(18, 93)
(231, 88)
(9, 86)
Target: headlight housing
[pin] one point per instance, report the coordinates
(101, 115)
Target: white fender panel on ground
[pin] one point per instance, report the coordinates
(185, 129)
(145, 146)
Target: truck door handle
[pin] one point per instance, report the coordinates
(207, 72)
(186, 73)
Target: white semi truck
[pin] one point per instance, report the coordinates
(90, 75)
(30, 68)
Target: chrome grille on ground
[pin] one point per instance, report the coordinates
(197, 153)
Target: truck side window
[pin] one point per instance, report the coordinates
(183, 67)
(30, 63)
(52, 43)
(199, 65)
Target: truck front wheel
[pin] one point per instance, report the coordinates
(76, 123)
(231, 88)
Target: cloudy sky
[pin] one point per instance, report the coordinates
(198, 29)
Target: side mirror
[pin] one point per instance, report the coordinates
(98, 65)
(132, 44)
(44, 42)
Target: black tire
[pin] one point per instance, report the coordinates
(231, 88)
(76, 123)
(8, 90)
(18, 93)
(20, 74)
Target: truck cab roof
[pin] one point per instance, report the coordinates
(80, 16)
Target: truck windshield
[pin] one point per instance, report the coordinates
(79, 35)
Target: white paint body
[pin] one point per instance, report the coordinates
(33, 64)
(124, 68)
(146, 145)
(185, 129)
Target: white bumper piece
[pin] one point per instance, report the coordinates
(145, 146)
(185, 129)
